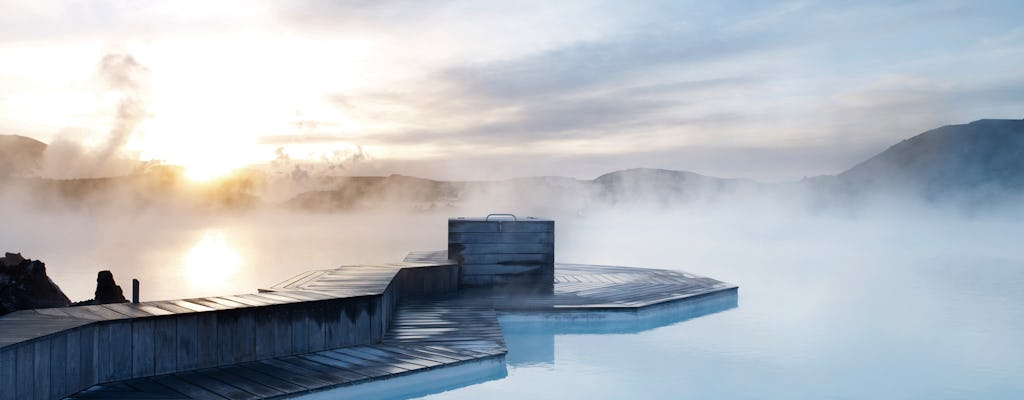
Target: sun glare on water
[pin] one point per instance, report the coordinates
(212, 260)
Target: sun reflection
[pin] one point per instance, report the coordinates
(212, 260)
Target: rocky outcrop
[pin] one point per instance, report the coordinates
(24, 285)
(107, 291)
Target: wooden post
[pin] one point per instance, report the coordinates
(135, 291)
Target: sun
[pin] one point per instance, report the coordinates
(207, 170)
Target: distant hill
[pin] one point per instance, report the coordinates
(665, 186)
(20, 155)
(979, 161)
(982, 158)
(641, 186)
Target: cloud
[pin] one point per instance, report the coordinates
(278, 140)
(586, 65)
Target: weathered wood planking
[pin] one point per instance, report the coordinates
(502, 252)
(501, 238)
(68, 349)
(416, 335)
(8, 369)
(471, 333)
(494, 225)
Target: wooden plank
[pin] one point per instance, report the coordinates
(295, 295)
(106, 313)
(153, 310)
(151, 388)
(279, 299)
(316, 324)
(352, 355)
(210, 303)
(363, 366)
(336, 375)
(244, 342)
(283, 386)
(104, 366)
(143, 350)
(88, 358)
(299, 330)
(515, 259)
(8, 373)
(58, 365)
(434, 351)
(261, 299)
(190, 305)
(246, 301)
(227, 302)
(165, 338)
(392, 354)
(186, 388)
(301, 377)
(495, 225)
(187, 346)
(81, 313)
(227, 329)
(476, 238)
(264, 332)
(73, 360)
(41, 374)
(389, 358)
(128, 309)
(327, 359)
(206, 327)
(502, 269)
(282, 325)
(201, 379)
(508, 248)
(294, 372)
(255, 387)
(25, 378)
(298, 278)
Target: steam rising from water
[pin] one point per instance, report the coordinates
(126, 78)
(125, 81)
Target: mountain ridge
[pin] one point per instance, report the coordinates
(980, 160)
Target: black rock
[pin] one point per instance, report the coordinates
(24, 285)
(107, 291)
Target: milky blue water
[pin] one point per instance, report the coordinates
(897, 306)
(837, 309)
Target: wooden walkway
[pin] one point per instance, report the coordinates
(425, 335)
(319, 330)
(581, 287)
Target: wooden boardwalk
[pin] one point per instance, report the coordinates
(581, 287)
(319, 330)
(425, 335)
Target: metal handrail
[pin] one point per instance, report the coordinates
(488, 218)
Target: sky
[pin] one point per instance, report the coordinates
(451, 89)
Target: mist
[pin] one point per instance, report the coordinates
(181, 249)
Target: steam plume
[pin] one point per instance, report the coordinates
(123, 74)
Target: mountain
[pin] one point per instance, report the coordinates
(977, 162)
(20, 155)
(982, 158)
(641, 186)
(664, 186)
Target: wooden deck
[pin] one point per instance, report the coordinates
(319, 330)
(425, 335)
(581, 287)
